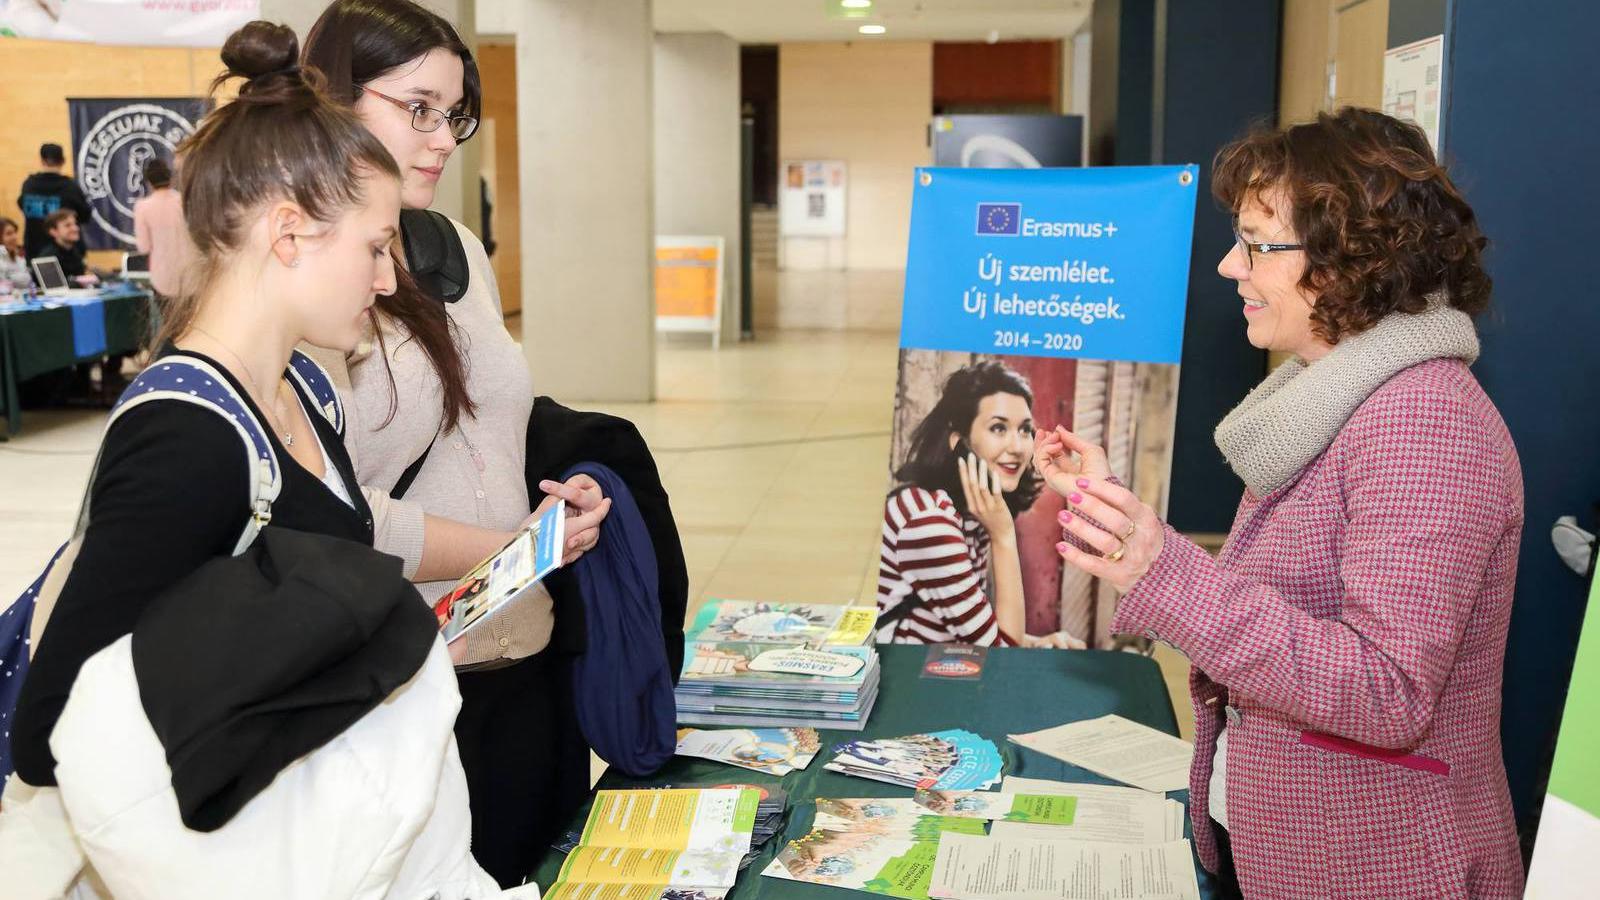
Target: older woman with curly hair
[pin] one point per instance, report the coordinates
(1347, 642)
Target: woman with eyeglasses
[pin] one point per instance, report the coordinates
(438, 400)
(1347, 643)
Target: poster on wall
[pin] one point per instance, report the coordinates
(1035, 298)
(1008, 141)
(1413, 84)
(149, 23)
(688, 280)
(811, 198)
(111, 142)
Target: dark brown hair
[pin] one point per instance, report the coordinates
(931, 461)
(157, 174)
(57, 217)
(282, 138)
(352, 43)
(1382, 224)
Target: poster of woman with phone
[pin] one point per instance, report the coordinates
(949, 567)
(952, 408)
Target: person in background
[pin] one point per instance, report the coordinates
(45, 192)
(66, 246)
(949, 527)
(13, 264)
(1348, 643)
(159, 231)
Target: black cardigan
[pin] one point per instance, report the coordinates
(170, 493)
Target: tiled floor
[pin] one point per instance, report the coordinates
(774, 453)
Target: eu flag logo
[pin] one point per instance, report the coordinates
(1000, 218)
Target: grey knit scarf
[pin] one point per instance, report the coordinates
(1289, 419)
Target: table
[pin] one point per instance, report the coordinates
(41, 337)
(1021, 690)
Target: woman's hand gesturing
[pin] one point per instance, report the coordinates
(1062, 457)
(1125, 531)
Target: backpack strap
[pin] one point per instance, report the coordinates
(188, 379)
(318, 385)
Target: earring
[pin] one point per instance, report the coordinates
(294, 263)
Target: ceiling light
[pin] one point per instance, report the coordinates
(873, 29)
(855, 4)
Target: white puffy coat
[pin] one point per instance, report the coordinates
(378, 812)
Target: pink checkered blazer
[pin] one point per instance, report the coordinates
(1356, 622)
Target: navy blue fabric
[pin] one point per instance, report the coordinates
(622, 683)
(15, 623)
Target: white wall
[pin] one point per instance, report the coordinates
(868, 103)
(697, 148)
(585, 116)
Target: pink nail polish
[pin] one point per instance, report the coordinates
(1083, 482)
(1061, 547)
(1075, 499)
(1065, 517)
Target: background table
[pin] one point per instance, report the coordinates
(37, 338)
(1020, 691)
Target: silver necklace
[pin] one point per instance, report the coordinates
(288, 437)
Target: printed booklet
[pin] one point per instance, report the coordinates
(505, 577)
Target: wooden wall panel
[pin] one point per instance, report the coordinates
(39, 76)
(497, 65)
(1023, 73)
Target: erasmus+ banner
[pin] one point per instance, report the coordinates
(1035, 298)
(1089, 263)
(111, 142)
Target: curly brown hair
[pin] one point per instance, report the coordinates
(1382, 224)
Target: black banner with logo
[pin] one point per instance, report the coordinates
(111, 142)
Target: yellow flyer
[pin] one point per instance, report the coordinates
(656, 838)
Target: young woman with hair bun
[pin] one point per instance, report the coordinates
(292, 207)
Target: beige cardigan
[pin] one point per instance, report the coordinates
(474, 473)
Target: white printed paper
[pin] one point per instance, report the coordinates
(970, 867)
(1119, 749)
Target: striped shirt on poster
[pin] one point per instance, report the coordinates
(936, 560)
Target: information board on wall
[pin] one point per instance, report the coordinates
(811, 199)
(1066, 288)
(1413, 82)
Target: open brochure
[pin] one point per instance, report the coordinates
(505, 577)
(650, 843)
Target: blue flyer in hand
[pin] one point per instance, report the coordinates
(506, 576)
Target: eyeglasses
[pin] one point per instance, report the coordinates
(1250, 248)
(425, 118)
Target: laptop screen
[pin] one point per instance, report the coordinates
(48, 270)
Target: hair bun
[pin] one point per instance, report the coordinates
(260, 49)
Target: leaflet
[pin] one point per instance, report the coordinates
(504, 577)
(955, 759)
(861, 860)
(968, 867)
(571, 891)
(1104, 813)
(677, 838)
(775, 751)
(812, 624)
(897, 817)
(1117, 748)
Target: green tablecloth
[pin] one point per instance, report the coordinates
(1020, 691)
(36, 341)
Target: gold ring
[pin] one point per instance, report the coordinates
(1123, 537)
(1117, 556)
